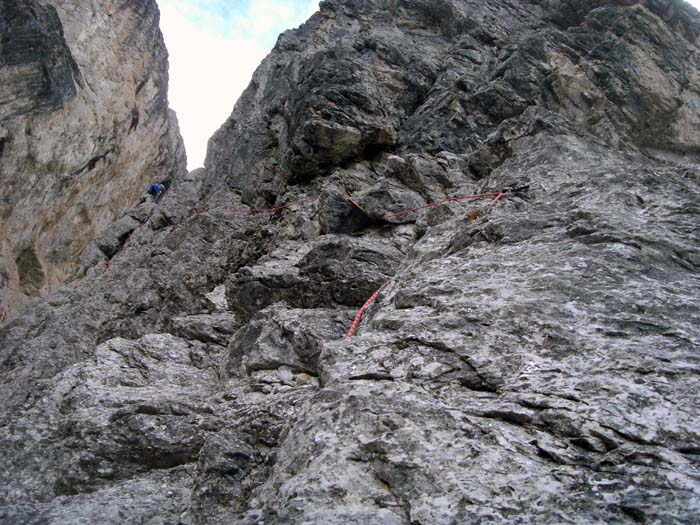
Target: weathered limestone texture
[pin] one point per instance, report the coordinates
(532, 360)
(84, 126)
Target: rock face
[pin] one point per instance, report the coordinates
(84, 126)
(531, 358)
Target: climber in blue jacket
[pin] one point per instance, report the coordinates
(155, 190)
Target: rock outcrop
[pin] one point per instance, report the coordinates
(84, 127)
(532, 356)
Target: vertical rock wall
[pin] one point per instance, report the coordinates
(84, 126)
(531, 360)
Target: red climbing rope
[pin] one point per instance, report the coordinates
(498, 197)
(497, 194)
(353, 202)
(252, 211)
(369, 302)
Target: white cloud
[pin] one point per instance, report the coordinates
(214, 51)
(265, 16)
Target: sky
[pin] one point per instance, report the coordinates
(215, 46)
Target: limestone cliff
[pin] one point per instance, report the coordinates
(84, 126)
(532, 357)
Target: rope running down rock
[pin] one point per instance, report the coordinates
(498, 195)
(369, 303)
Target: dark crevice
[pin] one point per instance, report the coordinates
(480, 384)
(169, 460)
(135, 116)
(690, 450)
(636, 514)
(372, 376)
(630, 437)
(545, 454)
(92, 163)
(77, 74)
(373, 152)
(271, 367)
(508, 416)
(141, 85)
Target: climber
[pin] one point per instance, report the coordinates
(155, 190)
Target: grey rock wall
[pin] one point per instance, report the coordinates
(84, 127)
(533, 360)
(37, 65)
